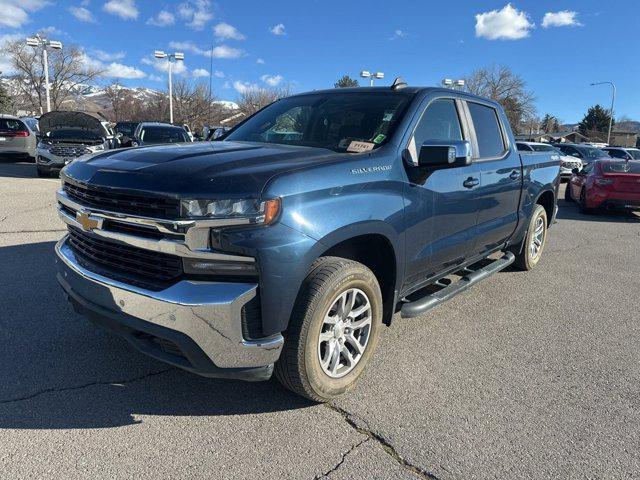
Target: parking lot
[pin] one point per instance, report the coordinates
(528, 375)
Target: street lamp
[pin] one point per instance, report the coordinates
(613, 100)
(39, 41)
(371, 76)
(171, 57)
(448, 83)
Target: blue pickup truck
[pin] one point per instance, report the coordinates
(284, 247)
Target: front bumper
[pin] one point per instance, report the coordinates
(193, 325)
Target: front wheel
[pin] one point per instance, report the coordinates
(567, 192)
(333, 331)
(534, 243)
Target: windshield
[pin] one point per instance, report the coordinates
(163, 135)
(590, 152)
(621, 167)
(544, 148)
(126, 128)
(635, 153)
(353, 122)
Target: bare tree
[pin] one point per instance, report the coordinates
(253, 99)
(502, 85)
(119, 99)
(194, 104)
(68, 73)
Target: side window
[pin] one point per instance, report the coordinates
(439, 122)
(587, 168)
(617, 154)
(488, 132)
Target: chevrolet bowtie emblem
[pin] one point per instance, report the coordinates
(86, 221)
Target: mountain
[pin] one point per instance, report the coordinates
(628, 126)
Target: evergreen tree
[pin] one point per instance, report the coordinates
(346, 81)
(596, 120)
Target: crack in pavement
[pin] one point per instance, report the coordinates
(80, 387)
(384, 443)
(344, 457)
(34, 231)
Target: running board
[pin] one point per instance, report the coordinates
(450, 290)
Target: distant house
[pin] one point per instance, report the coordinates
(558, 137)
(623, 139)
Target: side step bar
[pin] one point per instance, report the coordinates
(471, 277)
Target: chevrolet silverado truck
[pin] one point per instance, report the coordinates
(285, 247)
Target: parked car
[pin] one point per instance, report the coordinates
(16, 138)
(586, 153)
(66, 136)
(623, 152)
(153, 133)
(127, 131)
(294, 239)
(32, 123)
(608, 184)
(567, 162)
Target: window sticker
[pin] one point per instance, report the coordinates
(379, 138)
(359, 147)
(387, 116)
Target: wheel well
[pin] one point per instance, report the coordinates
(374, 251)
(547, 200)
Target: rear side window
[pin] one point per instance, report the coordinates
(11, 125)
(523, 147)
(622, 167)
(488, 132)
(617, 153)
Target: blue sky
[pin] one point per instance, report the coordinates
(308, 44)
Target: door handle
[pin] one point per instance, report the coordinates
(514, 175)
(471, 182)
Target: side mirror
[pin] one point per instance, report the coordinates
(217, 133)
(444, 154)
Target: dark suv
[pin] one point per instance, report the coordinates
(152, 133)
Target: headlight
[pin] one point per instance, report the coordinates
(255, 210)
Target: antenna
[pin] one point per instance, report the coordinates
(398, 83)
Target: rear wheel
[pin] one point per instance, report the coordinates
(41, 172)
(534, 243)
(333, 331)
(582, 204)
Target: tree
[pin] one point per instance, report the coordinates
(550, 124)
(194, 104)
(595, 120)
(68, 73)
(253, 99)
(118, 99)
(6, 105)
(507, 88)
(346, 81)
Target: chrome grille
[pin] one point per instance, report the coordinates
(70, 151)
(125, 259)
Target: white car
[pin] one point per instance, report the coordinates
(66, 136)
(567, 162)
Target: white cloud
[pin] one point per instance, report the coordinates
(260, 61)
(224, 51)
(82, 14)
(278, 29)
(189, 47)
(506, 24)
(125, 9)
(227, 32)
(155, 78)
(242, 87)
(272, 80)
(563, 18)
(199, 73)
(113, 69)
(15, 14)
(398, 34)
(196, 13)
(218, 74)
(162, 19)
(108, 57)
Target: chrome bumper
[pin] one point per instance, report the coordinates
(208, 313)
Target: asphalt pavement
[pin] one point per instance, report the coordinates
(527, 375)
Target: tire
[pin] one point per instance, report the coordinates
(526, 259)
(300, 367)
(582, 204)
(567, 193)
(41, 173)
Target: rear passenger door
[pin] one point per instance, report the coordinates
(500, 187)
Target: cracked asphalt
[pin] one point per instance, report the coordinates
(527, 375)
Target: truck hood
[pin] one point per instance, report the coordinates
(59, 120)
(196, 170)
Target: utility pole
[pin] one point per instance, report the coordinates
(39, 41)
(371, 76)
(613, 101)
(171, 57)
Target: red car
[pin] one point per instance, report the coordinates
(609, 184)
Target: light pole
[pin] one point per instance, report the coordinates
(371, 76)
(39, 41)
(171, 57)
(613, 101)
(452, 84)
